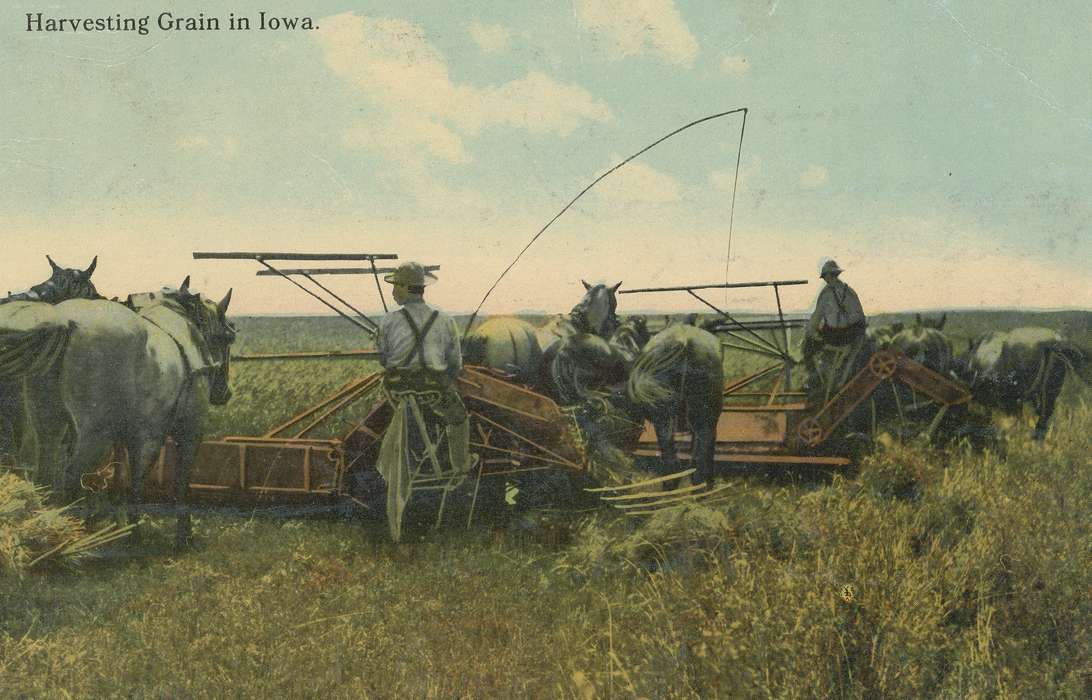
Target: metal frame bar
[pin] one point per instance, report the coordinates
(338, 270)
(758, 339)
(352, 308)
(294, 256)
(339, 312)
(730, 285)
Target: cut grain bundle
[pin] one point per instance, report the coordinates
(31, 532)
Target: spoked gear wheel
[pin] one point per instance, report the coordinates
(882, 363)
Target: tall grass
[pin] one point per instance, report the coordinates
(927, 573)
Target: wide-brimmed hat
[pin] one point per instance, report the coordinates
(411, 274)
(830, 268)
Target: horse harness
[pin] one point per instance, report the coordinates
(209, 368)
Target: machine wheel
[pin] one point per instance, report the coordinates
(809, 432)
(882, 363)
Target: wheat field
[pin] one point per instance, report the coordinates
(927, 572)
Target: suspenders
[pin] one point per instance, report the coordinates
(841, 302)
(419, 334)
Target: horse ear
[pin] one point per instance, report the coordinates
(917, 320)
(221, 308)
(615, 288)
(185, 286)
(91, 268)
(587, 286)
(943, 320)
(52, 264)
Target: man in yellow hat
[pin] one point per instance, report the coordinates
(421, 357)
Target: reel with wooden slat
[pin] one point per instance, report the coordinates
(633, 499)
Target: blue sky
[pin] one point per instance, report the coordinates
(940, 151)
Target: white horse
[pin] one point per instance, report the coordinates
(97, 373)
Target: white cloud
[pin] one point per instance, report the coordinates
(392, 63)
(735, 66)
(491, 38)
(632, 27)
(814, 176)
(638, 183)
(410, 137)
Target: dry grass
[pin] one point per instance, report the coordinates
(34, 534)
(931, 573)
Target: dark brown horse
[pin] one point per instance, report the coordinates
(678, 375)
(63, 284)
(516, 347)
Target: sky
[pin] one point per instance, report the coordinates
(940, 151)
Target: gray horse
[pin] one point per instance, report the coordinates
(63, 284)
(100, 373)
(925, 343)
(1030, 364)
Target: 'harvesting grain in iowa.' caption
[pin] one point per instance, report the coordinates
(165, 22)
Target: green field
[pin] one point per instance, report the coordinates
(928, 573)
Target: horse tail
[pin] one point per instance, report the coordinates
(645, 385)
(32, 352)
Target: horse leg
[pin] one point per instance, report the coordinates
(1051, 387)
(702, 451)
(88, 449)
(187, 450)
(142, 451)
(663, 422)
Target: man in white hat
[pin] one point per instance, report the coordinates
(421, 357)
(838, 319)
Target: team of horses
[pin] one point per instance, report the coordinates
(86, 374)
(1005, 370)
(592, 355)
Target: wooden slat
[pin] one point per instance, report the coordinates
(647, 482)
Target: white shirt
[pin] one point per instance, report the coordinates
(837, 307)
(395, 340)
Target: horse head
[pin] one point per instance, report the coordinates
(210, 330)
(210, 319)
(936, 323)
(926, 345)
(63, 284)
(881, 336)
(595, 312)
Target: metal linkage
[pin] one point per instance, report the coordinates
(364, 323)
(740, 331)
